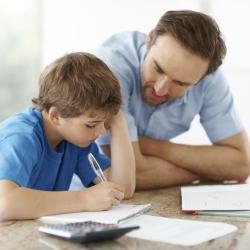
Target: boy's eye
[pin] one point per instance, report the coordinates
(90, 126)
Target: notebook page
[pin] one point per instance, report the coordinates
(113, 216)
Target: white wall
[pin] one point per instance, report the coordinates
(20, 42)
(80, 25)
(71, 25)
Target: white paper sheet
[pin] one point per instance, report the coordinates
(177, 231)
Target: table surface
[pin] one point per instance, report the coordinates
(165, 202)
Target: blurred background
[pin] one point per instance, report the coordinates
(35, 32)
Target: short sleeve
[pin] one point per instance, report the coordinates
(84, 170)
(218, 115)
(18, 156)
(121, 66)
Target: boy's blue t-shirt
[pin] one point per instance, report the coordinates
(27, 159)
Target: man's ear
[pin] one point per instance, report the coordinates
(149, 40)
(54, 116)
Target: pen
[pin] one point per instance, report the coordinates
(96, 167)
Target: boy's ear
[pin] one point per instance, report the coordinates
(54, 116)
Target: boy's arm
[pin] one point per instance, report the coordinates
(23, 203)
(228, 159)
(122, 170)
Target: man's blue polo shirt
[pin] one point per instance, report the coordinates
(210, 98)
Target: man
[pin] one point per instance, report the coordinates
(167, 78)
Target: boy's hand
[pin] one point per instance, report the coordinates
(115, 120)
(108, 123)
(102, 196)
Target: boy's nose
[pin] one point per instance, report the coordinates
(161, 86)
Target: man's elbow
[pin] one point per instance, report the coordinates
(244, 170)
(244, 173)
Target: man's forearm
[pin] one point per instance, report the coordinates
(152, 172)
(215, 162)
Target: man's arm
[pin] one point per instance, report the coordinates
(228, 159)
(154, 172)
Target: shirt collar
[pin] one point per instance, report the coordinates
(178, 101)
(182, 99)
(142, 54)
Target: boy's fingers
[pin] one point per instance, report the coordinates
(116, 202)
(119, 195)
(118, 187)
(107, 124)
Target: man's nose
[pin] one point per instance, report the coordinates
(161, 86)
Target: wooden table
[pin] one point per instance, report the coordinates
(165, 202)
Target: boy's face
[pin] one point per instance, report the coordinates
(169, 70)
(81, 130)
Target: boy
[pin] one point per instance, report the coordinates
(44, 146)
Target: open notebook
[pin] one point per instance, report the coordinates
(115, 215)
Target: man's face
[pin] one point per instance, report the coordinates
(81, 130)
(169, 70)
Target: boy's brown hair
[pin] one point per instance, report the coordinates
(76, 83)
(197, 32)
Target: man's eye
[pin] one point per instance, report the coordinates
(158, 70)
(181, 84)
(90, 126)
